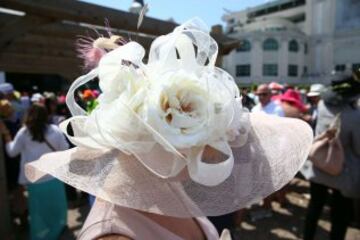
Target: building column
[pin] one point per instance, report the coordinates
(283, 60)
(256, 61)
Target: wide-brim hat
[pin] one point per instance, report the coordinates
(170, 136)
(275, 150)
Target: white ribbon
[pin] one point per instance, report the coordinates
(89, 133)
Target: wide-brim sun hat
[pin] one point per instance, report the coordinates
(171, 137)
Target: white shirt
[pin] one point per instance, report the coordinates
(31, 150)
(272, 108)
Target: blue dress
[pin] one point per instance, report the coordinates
(47, 209)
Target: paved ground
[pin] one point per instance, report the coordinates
(285, 224)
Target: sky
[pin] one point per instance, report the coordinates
(210, 11)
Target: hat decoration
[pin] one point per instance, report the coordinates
(179, 104)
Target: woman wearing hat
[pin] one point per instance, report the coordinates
(314, 96)
(339, 98)
(292, 104)
(170, 144)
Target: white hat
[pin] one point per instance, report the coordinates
(315, 90)
(37, 97)
(171, 137)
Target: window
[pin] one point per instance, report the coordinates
(356, 67)
(340, 68)
(231, 30)
(305, 48)
(298, 18)
(292, 70)
(293, 46)
(243, 70)
(270, 70)
(245, 46)
(270, 44)
(305, 71)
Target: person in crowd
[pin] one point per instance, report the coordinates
(12, 164)
(293, 107)
(46, 198)
(25, 101)
(276, 88)
(292, 104)
(252, 95)
(6, 110)
(246, 100)
(340, 98)
(314, 96)
(62, 109)
(9, 93)
(51, 105)
(37, 98)
(266, 105)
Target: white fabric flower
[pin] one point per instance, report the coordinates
(177, 105)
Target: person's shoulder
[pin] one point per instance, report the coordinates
(23, 130)
(23, 133)
(54, 129)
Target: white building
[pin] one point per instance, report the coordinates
(294, 41)
(333, 27)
